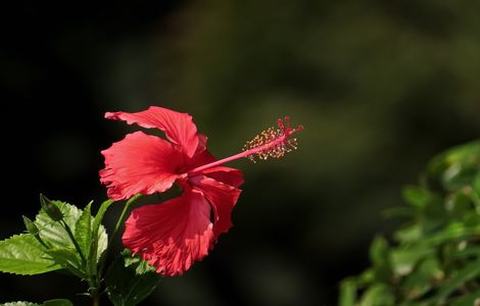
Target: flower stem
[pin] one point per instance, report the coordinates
(120, 221)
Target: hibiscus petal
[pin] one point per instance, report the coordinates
(172, 235)
(202, 143)
(223, 198)
(199, 159)
(226, 175)
(178, 127)
(139, 163)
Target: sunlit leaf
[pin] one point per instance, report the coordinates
(23, 254)
(83, 230)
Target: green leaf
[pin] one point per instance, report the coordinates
(435, 256)
(68, 259)
(404, 259)
(56, 302)
(457, 167)
(140, 265)
(378, 295)
(470, 271)
(468, 251)
(52, 232)
(458, 203)
(130, 281)
(24, 255)
(20, 303)
(472, 299)
(476, 184)
(379, 251)
(454, 230)
(422, 279)
(83, 230)
(410, 233)
(417, 197)
(55, 236)
(348, 293)
(366, 277)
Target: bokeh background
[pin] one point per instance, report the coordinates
(380, 87)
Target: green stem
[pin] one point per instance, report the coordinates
(120, 221)
(75, 243)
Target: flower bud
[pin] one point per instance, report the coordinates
(30, 226)
(50, 208)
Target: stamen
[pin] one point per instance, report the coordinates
(273, 142)
(269, 143)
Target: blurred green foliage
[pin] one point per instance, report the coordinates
(434, 258)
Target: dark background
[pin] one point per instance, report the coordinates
(380, 87)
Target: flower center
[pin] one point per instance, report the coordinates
(269, 143)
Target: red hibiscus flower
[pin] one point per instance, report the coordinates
(174, 234)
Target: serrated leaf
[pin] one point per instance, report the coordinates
(24, 255)
(51, 231)
(54, 235)
(83, 230)
(56, 302)
(68, 259)
(129, 283)
(20, 303)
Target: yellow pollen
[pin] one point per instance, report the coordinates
(272, 142)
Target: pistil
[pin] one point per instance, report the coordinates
(274, 143)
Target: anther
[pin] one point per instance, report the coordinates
(273, 142)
